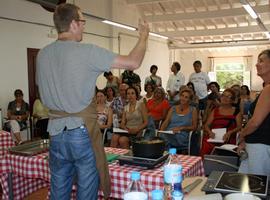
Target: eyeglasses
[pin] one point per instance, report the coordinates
(81, 20)
(226, 96)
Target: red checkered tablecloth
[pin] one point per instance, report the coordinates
(152, 178)
(32, 173)
(5, 142)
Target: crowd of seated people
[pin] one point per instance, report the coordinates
(121, 99)
(220, 111)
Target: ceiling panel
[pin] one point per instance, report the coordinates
(203, 21)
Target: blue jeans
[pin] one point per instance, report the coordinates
(179, 140)
(72, 160)
(258, 161)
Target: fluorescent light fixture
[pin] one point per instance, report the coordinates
(131, 28)
(267, 34)
(119, 25)
(157, 35)
(250, 10)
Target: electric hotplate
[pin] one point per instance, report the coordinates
(143, 162)
(230, 182)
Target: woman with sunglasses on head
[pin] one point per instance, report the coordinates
(134, 120)
(255, 137)
(158, 106)
(181, 119)
(224, 116)
(213, 99)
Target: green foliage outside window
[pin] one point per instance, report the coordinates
(228, 74)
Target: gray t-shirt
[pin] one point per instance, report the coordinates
(66, 76)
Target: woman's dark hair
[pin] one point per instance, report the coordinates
(214, 83)
(18, 92)
(197, 62)
(106, 74)
(192, 85)
(177, 65)
(246, 87)
(101, 91)
(147, 84)
(153, 67)
(133, 88)
(106, 90)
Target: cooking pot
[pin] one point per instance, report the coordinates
(148, 148)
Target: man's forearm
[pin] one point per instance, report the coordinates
(138, 52)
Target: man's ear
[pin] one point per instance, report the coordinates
(72, 26)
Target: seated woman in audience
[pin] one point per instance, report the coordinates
(118, 104)
(110, 95)
(112, 81)
(237, 102)
(195, 100)
(104, 112)
(181, 119)
(40, 117)
(134, 120)
(18, 113)
(213, 99)
(225, 116)
(149, 89)
(245, 99)
(158, 106)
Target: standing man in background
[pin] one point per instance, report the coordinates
(66, 76)
(200, 80)
(175, 81)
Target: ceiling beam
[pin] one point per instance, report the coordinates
(135, 2)
(221, 44)
(205, 15)
(221, 31)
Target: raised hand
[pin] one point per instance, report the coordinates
(143, 28)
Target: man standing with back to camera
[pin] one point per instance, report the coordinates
(66, 76)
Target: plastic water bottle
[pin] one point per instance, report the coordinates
(177, 195)
(157, 195)
(172, 175)
(115, 121)
(135, 190)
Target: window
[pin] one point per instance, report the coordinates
(229, 71)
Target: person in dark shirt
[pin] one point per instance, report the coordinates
(255, 137)
(18, 113)
(130, 78)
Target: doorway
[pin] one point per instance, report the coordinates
(32, 88)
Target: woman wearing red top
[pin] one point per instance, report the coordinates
(224, 116)
(158, 106)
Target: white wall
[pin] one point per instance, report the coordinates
(16, 37)
(157, 50)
